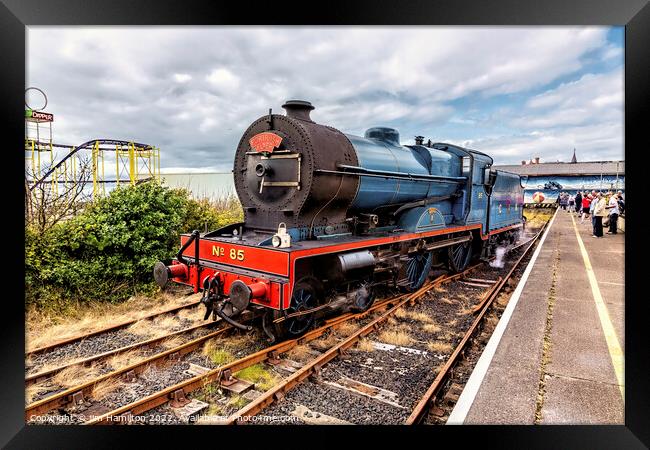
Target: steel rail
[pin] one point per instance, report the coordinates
(45, 374)
(429, 396)
(65, 398)
(197, 382)
(78, 392)
(114, 327)
(223, 373)
(279, 391)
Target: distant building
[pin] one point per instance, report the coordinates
(211, 185)
(552, 178)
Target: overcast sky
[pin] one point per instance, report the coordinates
(512, 92)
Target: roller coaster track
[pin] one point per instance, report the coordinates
(84, 146)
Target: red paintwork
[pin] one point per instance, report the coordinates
(282, 263)
(262, 259)
(178, 270)
(265, 142)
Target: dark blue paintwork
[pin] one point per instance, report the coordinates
(380, 150)
(507, 200)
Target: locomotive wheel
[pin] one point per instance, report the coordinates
(417, 270)
(305, 296)
(459, 256)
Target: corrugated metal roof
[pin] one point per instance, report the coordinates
(567, 169)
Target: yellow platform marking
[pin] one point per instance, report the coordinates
(615, 351)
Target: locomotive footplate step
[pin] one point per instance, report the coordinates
(367, 390)
(237, 386)
(188, 412)
(315, 418)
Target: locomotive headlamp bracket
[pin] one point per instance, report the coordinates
(282, 239)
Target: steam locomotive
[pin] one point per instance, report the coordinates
(330, 218)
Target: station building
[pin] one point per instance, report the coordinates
(551, 178)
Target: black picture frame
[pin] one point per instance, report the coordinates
(15, 15)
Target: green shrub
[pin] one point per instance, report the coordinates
(107, 252)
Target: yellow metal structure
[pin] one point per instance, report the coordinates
(56, 166)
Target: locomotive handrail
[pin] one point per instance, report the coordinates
(423, 202)
(362, 171)
(179, 255)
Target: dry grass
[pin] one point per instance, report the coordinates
(103, 388)
(165, 322)
(502, 300)
(420, 317)
(141, 328)
(346, 328)
(396, 337)
(75, 375)
(401, 313)
(325, 342)
(34, 389)
(45, 328)
(216, 350)
(445, 300)
(193, 314)
(392, 320)
(431, 328)
(440, 347)
(299, 353)
(125, 359)
(157, 327)
(465, 310)
(365, 345)
(172, 342)
(491, 319)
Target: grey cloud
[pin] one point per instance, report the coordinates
(120, 82)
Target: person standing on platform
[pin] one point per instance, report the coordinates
(592, 206)
(600, 211)
(563, 201)
(578, 203)
(621, 202)
(586, 203)
(572, 203)
(613, 214)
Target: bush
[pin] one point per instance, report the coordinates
(108, 251)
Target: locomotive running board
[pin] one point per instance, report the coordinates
(448, 242)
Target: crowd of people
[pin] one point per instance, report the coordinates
(603, 207)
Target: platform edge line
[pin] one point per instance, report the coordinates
(467, 397)
(613, 344)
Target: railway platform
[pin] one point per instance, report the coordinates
(557, 354)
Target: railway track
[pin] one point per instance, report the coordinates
(76, 394)
(342, 382)
(115, 327)
(222, 375)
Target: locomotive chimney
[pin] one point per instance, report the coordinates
(298, 109)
